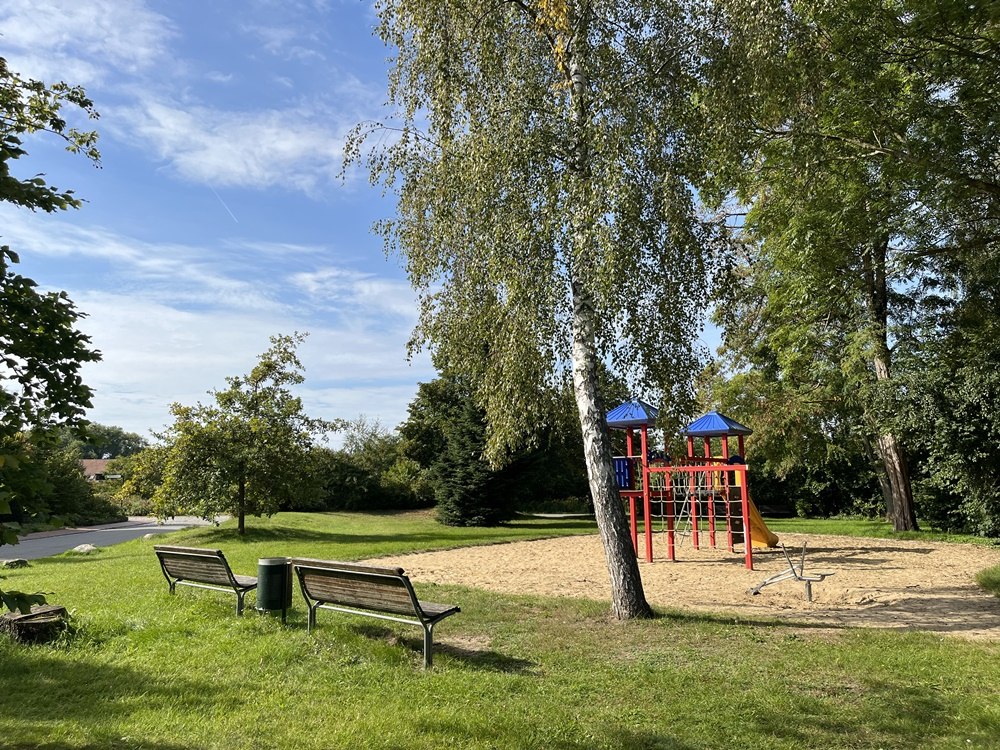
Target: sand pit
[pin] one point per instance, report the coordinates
(877, 583)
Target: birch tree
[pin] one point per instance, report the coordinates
(539, 151)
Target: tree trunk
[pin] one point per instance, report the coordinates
(627, 597)
(878, 466)
(900, 512)
(899, 501)
(899, 509)
(241, 507)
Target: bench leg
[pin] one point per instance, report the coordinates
(428, 645)
(311, 621)
(239, 602)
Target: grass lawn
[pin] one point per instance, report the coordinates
(147, 670)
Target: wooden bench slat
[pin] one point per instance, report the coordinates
(357, 591)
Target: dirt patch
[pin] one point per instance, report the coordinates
(877, 583)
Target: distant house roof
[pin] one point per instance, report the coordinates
(94, 468)
(715, 424)
(633, 414)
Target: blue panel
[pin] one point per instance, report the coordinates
(623, 473)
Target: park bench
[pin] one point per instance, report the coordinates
(384, 593)
(204, 569)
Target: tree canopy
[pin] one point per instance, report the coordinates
(857, 136)
(244, 454)
(41, 350)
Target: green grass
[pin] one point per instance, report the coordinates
(147, 670)
(873, 528)
(989, 579)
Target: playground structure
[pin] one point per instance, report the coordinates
(696, 496)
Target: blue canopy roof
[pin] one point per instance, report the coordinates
(714, 424)
(632, 414)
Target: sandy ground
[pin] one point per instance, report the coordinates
(876, 583)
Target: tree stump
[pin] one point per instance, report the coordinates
(43, 624)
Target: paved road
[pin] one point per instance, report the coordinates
(48, 543)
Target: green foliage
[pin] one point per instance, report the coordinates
(953, 389)
(246, 454)
(856, 135)
(40, 350)
(28, 106)
(103, 441)
(142, 474)
(807, 454)
(528, 180)
(466, 488)
(989, 579)
(40, 355)
(47, 486)
(444, 437)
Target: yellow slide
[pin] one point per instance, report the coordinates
(760, 535)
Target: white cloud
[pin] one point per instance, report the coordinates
(347, 289)
(156, 354)
(298, 148)
(287, 42)
(84, 41)
(168, 272)
(179, 320)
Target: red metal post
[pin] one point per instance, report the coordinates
(633, 523)
(693, 492)
(669, 484)
(741, 472)
(645, 494)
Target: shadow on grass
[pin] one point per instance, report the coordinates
(481, 659)
(890, 715)
(39, 687)
(678, 616)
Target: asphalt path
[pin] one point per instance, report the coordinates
(48, 543)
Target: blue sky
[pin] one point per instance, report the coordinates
(218, 217)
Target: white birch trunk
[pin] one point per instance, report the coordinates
(627, 597)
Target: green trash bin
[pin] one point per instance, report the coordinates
(274, 585)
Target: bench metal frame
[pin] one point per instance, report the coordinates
(382, 593)
(202, 569)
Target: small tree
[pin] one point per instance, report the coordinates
(245, 454)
